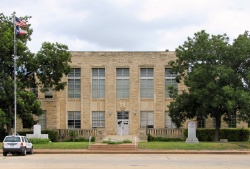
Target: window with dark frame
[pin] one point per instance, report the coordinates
(122, 83)
(98, 119)
(147, 120)
(98, 83)
(74, 120)
(147, 83)
(74, 83)
(170, 80)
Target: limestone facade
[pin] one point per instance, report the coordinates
(58, 107)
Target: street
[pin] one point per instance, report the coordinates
(122, 161)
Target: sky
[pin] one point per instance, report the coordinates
(128, 25)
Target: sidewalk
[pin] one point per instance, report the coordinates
(140, 151)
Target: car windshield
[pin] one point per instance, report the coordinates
(12, 139)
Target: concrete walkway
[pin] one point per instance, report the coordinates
(140, 151)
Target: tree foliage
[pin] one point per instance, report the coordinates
(44, 69)
(217, 76)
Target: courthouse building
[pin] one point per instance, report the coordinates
(120, 92)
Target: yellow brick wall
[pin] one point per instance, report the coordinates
(60, 104)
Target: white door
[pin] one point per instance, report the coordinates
(122, 123)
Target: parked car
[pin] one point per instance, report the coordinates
(17, 144)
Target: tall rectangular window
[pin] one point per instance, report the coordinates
(201, 123)
(98, 119)
(74, 83)
(147, 119)
(74, 119)
(232, 121)
(122, 83)
(42, 120)
(147, 83)
(48, 94)
(98, 83)
(168, 121)
(34, 90)
(170, 80)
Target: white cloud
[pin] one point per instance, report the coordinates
(144, 25)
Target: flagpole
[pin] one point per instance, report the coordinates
(15, 53)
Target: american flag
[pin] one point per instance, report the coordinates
(20, 22)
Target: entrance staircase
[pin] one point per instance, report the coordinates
(125, 147)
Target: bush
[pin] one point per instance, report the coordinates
(53, 134)
(81, 139)
(126, 141)
(112, 142)
(162, 139)
(39, 140)
(3, 133)
(229, 134)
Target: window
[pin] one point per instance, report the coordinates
(98, 83)
(98, 119)
(48, 94)
(201, 123)
(168, 121)
(147, 119)
(74, 119)
(232, 121)
(122, 83)
(34, 90)
(170, 80)
(214, 122)
(122, 115)
(147, 83)
(42, 120)
(74, 83)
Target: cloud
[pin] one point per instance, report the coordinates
(129, 25)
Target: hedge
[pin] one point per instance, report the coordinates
(232, 134)
(39, 140)
(162, 139)
(53, 134)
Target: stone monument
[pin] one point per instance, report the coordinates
(192, 133)
(37, 133)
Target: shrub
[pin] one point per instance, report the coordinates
(39, 141)
(3, 133)
(162, 139)
(126, 141)
(53, 134)
(81, 139)
(229, 134)
(112, 142)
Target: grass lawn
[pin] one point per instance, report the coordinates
(200, 146)
(62, 145)
(156, 145)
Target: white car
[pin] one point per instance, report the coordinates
(17, 144)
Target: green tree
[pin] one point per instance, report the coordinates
(44, 69)
(217, 76)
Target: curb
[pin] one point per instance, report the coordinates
(57, 151)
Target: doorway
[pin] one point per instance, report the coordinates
(122, 123)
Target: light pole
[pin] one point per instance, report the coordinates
(14, 23)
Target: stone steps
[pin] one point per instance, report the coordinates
(113, 147)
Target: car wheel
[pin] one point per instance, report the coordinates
(24, 152)
(5, 154)
(31, 151)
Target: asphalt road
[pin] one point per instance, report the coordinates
(125, 161)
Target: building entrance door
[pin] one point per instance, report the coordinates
(122, 123)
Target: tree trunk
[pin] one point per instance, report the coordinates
(9, 129)
(217, 129)
(9, 122)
